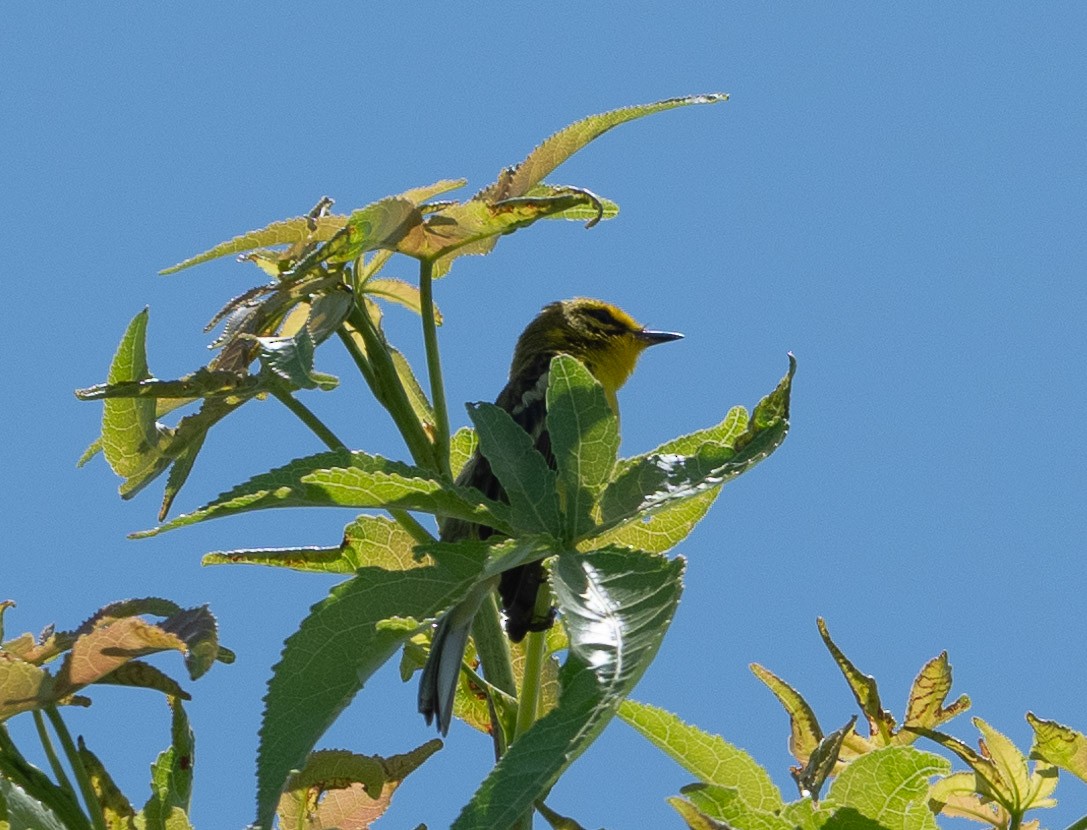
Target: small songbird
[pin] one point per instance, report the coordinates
(608, 342)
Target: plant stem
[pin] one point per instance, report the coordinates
(493, 651)
(94, 809)
(385, 384)
(306, 416)
(51, 754)
(434, 366)
(528, 701)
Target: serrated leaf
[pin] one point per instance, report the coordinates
(649, 483)
(726, 808)
(524, 474)
(709, 758)
(805, 732)
(117, 812)
(346, 791)
(616, 606)
(1060, 745)
(584, 433)
(291, 359)
(320, 674)
(347, 479)
(1021, 790)
(172, 773)
(420, 403)
(928, 693)
(462, 445)
(143, 675)
(24, 812)
(889, 786)
(369, 540)
(811, 777)
(131, 439)
(694, 818)
(880, 722)
(594, 212)
(553, 151)
(299, 229)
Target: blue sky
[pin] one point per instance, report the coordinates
(894, 194)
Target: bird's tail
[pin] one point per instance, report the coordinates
(438, 683)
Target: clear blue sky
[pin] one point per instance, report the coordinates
(897, 195)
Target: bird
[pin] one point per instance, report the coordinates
(608, 342)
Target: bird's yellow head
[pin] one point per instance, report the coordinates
(603, 337)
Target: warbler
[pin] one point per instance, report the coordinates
(608, 342)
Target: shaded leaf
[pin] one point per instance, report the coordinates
(117, 812)
(24, 812)
(320, 674)
(524, 474)
(811, 777)
(343, 790)
(695, 818)
(616, 606)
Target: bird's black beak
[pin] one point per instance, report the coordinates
(651, 338)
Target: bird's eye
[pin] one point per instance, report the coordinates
(605, 318)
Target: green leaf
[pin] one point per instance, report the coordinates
(343, 642)
(709, 758)
(300, 229)
(805, 732)
(291, 359)
(695, 819)
(369, 540)
(337, 788)
(131, 439)
(420, 403)
(23, 687)
(593, 212)
(461, 447)
(528, 481)
(348, 479)
(24, 812)
(616, 606)
(1060, 745)
(928, 693)
(811, 777)
(400, 292)
(863, 686)
(725, 807)
(889, 786)
(647, 484)
(584, 436)
(117, 812)
(518, 180)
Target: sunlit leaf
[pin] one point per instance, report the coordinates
(1060, 745)
(805, 733)
(889, 787)
(347, 479)
(811, 777)
(117, 812)
(584, 435)
(928, 693)
(709, 758)
(880, 722)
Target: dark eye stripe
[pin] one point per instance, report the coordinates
(605, 318)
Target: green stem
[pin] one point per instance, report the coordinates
(492, 649)
(306, 416)
(528, 701)
(51, 753)
(94, 809)
(386, 386)
(434, 366)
